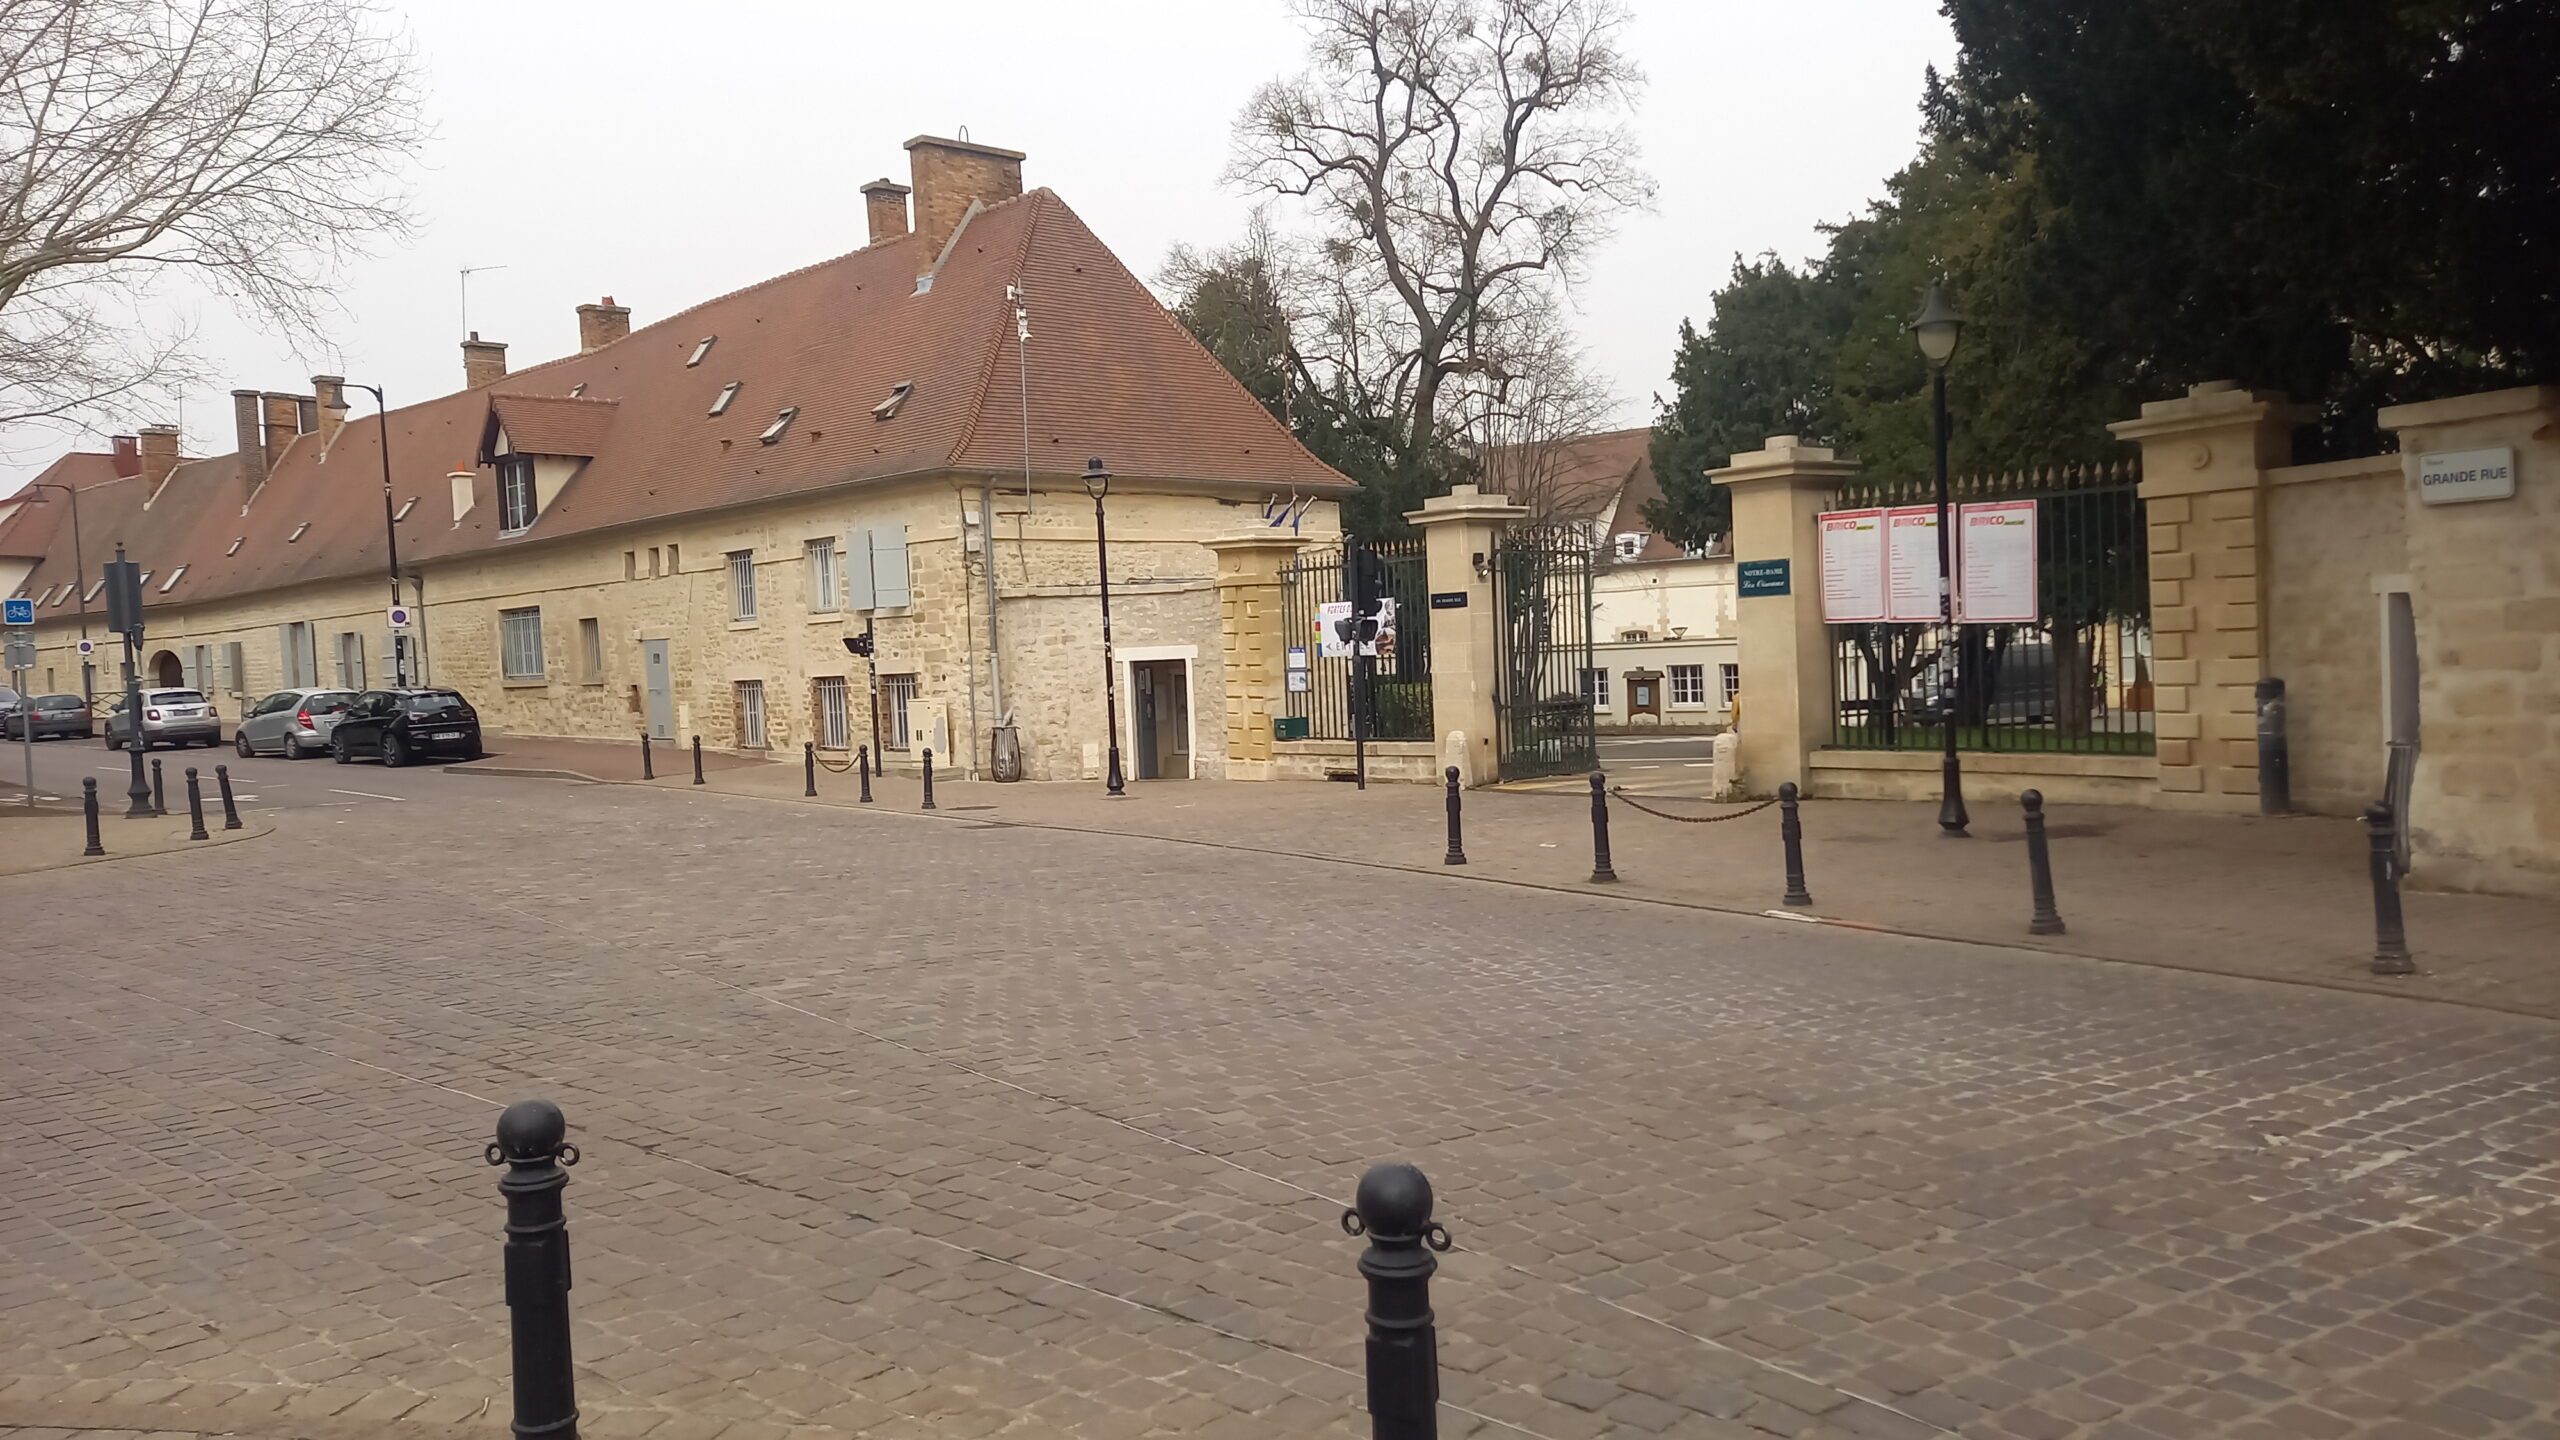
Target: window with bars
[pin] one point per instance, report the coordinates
(520, 643)
(1729, 677)
(824, 587)
(896, 692)
(750, 714)
(1688, 684)
(742, 584)
(835, 713)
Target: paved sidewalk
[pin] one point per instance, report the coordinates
(2281, 900)
(610, 760)
(52, 837)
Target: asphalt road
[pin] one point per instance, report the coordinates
(260, 782)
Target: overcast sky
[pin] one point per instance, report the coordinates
(665, 152)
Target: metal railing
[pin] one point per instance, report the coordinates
(2076, 682)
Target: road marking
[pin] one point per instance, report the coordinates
(369, 795)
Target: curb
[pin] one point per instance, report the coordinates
(249, 830)
(529, 773)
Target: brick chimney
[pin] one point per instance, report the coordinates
(249, 431)
(128, 456)
(484, 362)
(949, 174)
(330, 391)
(601, 325)
(461, 481)
(284, 421)
(159, 447)
(886, 201)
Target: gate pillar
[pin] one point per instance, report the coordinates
(1459, 532)
(1784, 706)
(1252, 643)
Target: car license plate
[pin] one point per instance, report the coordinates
(446, 735)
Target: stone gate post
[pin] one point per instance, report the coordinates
(1779, 491)
(1254, 649)
(1460, 530)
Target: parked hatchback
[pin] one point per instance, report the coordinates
(48, 715)
(291, 723)
(405, 725)
(169, 717)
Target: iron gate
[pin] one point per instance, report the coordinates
(1399, 700)
(1542, 653)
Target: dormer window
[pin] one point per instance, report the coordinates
(298, 532)
(236, 542)
(174, 577)
(898, 394)
(781, 422)
(728, 393)
(517, 507)
(578, 389)
(700, 350)
(405, 507)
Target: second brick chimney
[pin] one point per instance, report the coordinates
(159, 446)
(284, 421)
(249, 431)
(885, 200)
(330, 391)
(128, 453)
(601, 325)
(950, 174)
(484, 362)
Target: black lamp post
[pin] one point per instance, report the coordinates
(1937, 329)
(390, 535)
(1097, 483)
(80, 583)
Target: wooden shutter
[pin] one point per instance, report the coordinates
(862, 595)
(889, 567)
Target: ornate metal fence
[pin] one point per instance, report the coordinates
(1542, 648)
(2078, 681)
(1399, 704)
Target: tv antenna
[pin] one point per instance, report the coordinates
(467, 272)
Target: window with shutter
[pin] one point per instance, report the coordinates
(889, 568)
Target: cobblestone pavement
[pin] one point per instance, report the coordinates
(907, 1127)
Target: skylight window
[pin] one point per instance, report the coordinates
(60, 593)
(578, 389)
(898, 394)
(47, 597)
(174, 577)
(94, 587)
(405, 507)
(236, 542)
(728, 393)
(145, 580)
(781, 422)
(297, 532)
(700, 350)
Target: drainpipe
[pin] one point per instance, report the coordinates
(987, 553)
(969, 624)
(418, 586)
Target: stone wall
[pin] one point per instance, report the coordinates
(2331, 530)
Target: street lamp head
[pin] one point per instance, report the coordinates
(1097, 478)
(1937, 328)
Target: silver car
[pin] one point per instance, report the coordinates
(169, 717)
(291, 723)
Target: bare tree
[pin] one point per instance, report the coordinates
(254, 144)
(1458, 158)
(1525, 406)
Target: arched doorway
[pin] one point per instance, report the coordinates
(167, 672)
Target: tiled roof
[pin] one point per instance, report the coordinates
(1111, 374)
(554, 424)
(37, 514)
(1576, 479)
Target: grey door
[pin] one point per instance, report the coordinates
(661, 690)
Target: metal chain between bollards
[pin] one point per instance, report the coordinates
(834, 767)
(532, 1144)
(1633, 803)
(1393, 1210)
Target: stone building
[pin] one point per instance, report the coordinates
(677, 528)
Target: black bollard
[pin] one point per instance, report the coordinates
(195, 807)
(648, 768)
(230, 807)
(2390, 937)
(530, 1143)
(928, 777)
(809, 769)
(1791, 838)
(1457, 852)
(2046, 920)
(89, 811)
(1393, 1209)
(862, 770)
(697, 759)
(159, 791)
(1601, 873)
(2275, 754)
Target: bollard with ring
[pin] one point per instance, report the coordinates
(159, 792)
(195, 807)
(532, 1144)
(648, 767)
(809, 769)
(862, 768)
(697, 759)
(1601, 871)
(2390, 936)
(1457, 851)
(89, 812)
(1791, 839)
(1393, 1210)
(2046, 920)
(230, 807)
(928, 777)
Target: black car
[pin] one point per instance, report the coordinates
(405, 725)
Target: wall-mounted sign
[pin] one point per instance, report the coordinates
(1763, 577)
(1853, 566)
(1448, 599)
(1996, 563)
(398, 615)
(2456, 476)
